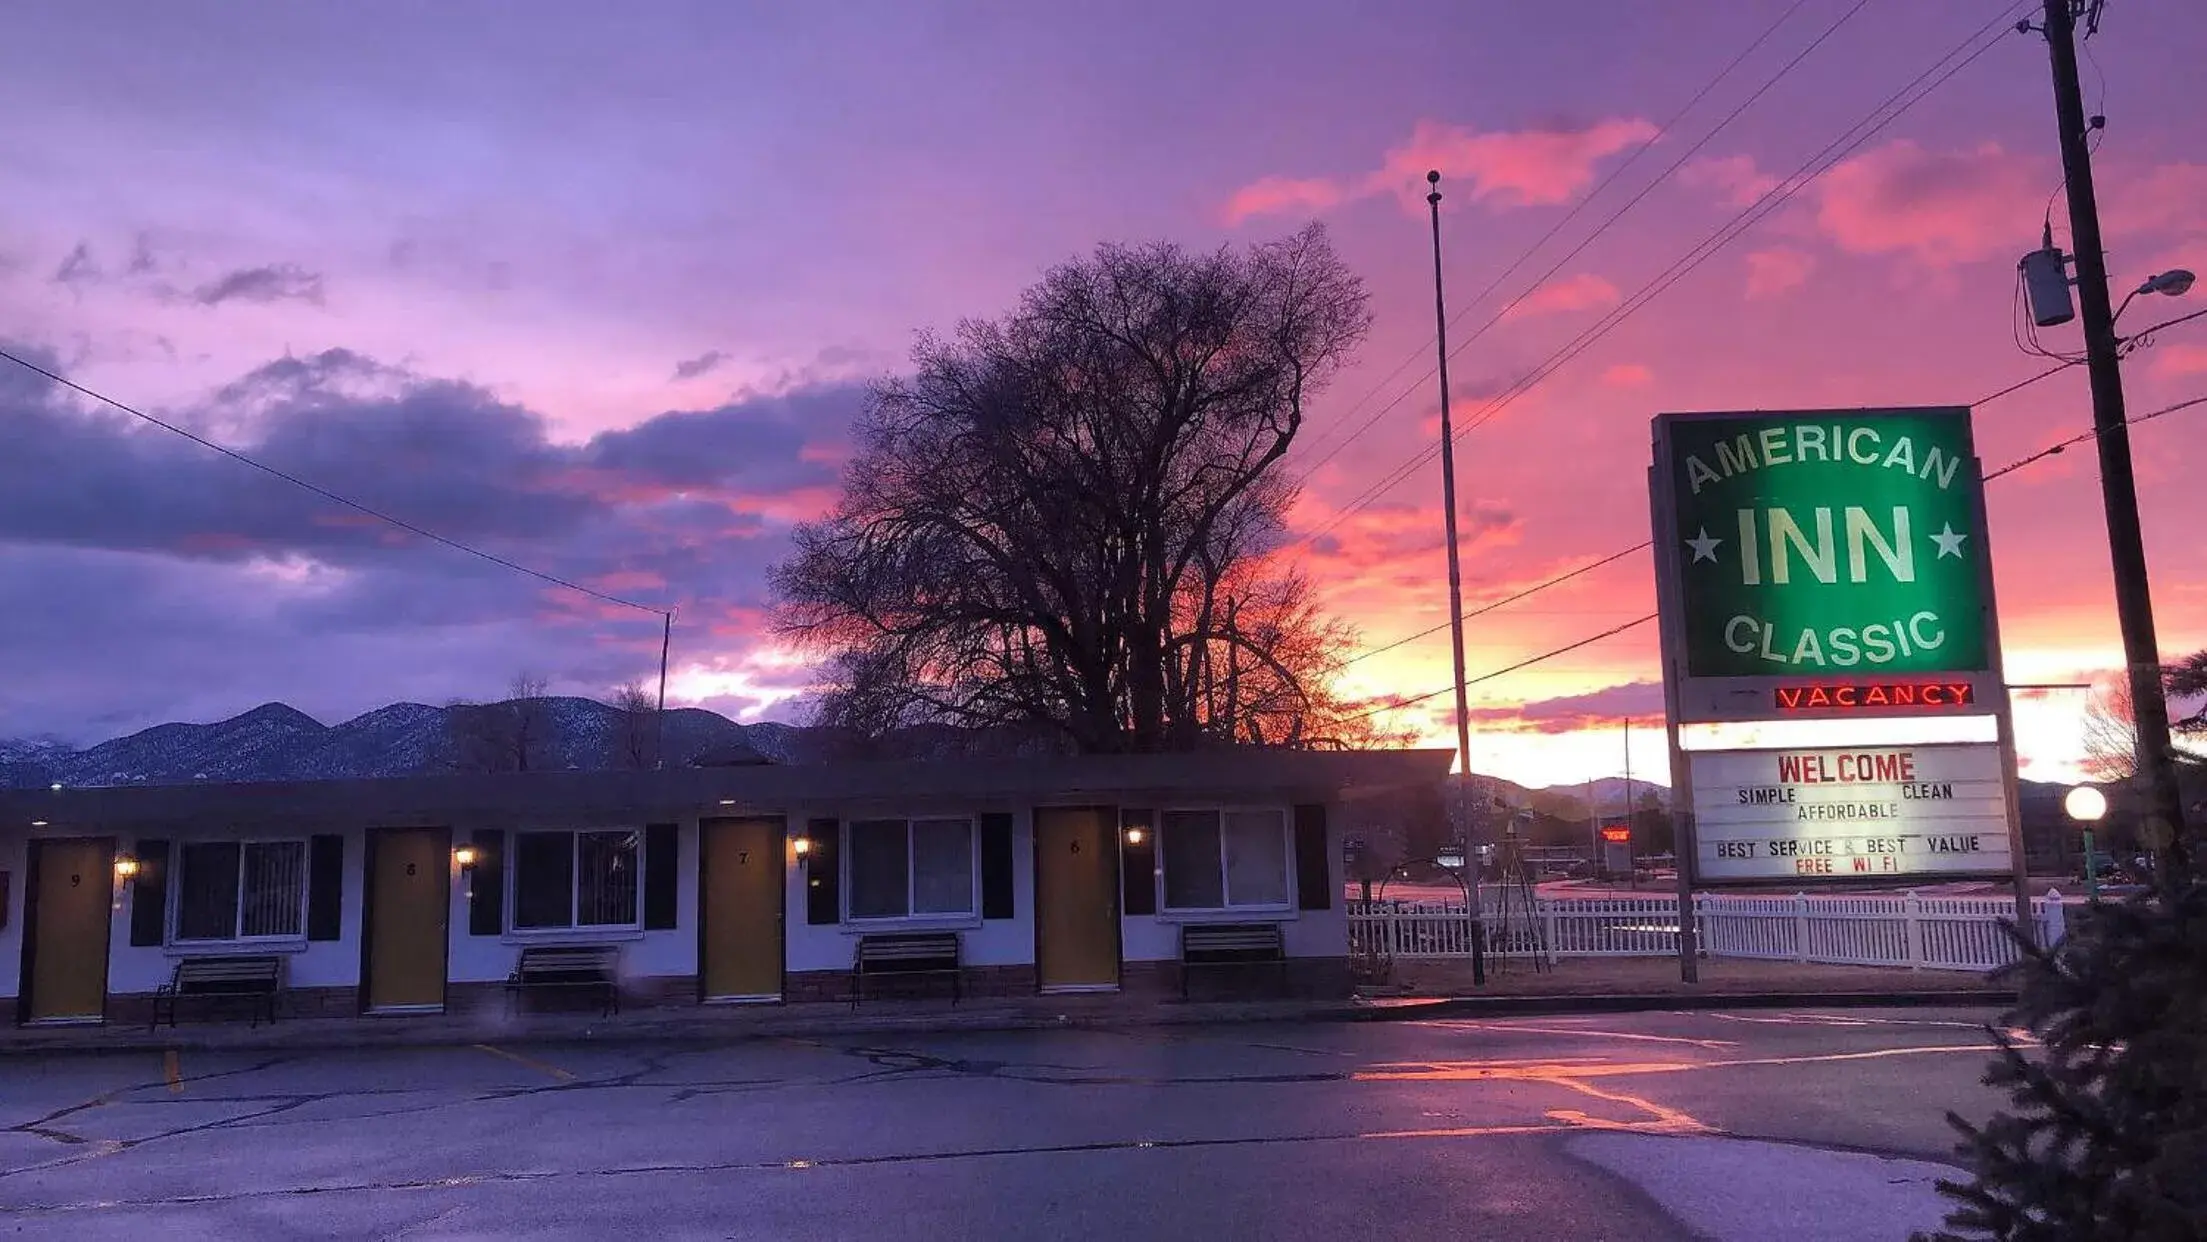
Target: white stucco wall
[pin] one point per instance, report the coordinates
(644, 954)
(986, 942)
(1306, 933)
(135, 969)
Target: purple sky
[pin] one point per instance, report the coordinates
(599, 292)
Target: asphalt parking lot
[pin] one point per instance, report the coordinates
(1749, 1124)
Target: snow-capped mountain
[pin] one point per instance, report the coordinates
(277, 742)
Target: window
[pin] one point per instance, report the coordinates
(241, 890)
(574, 879)
(918, 868)
(1217, 860)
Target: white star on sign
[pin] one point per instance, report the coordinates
(1950, 544)
(1705, 548)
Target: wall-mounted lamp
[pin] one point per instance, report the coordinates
(38, 823)
(801, 846)
(727, 801)
(126, 868)
(1134, 836)
(465, 856)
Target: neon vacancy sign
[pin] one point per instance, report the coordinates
(1863, 696)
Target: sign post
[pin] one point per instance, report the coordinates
(1830, 654)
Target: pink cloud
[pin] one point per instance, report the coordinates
(2175, 360)
(1772, 272)
(1521, 168)
(2166, 199)
(1584, 291)
(1941, 208)
(1274, 195)
(1736, 178)
(1628, 375)
(621, 580)
(1599, 709)
(1385, 555)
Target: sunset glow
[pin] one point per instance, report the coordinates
(605, 307)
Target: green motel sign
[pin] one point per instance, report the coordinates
(1826, 542)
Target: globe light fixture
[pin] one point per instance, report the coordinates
(2085, 804)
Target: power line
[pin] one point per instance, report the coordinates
(329, 495)
(1621, 553)
(1521, 664)
(2143, 336)
(2052, 450)
(1661, 132)
(1777, 196)
(2010, 468)
(1483, 609)
(1764, 207)
(2020, 385)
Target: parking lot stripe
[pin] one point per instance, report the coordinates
(531, 1062)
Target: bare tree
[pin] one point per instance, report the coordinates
(2110, 732)
(511, 736)
(636, 741)
(532, 721)
(1055, 526)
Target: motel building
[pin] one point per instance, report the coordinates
(683, 887)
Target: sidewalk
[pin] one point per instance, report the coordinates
(1418, 989)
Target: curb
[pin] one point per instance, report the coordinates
(1473, 1006)
(213, 1039)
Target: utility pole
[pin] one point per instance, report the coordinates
(2164, 825)
(1593, 833)
(659, 718)
(1455, 573)
(1632, 818)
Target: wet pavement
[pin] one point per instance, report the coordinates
(1805, 1125)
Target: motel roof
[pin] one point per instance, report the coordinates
(549, 799)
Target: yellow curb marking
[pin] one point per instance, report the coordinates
(530, 1062)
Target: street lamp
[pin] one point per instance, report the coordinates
(2175, 283)
(2087, 805)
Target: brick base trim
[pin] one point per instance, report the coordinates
(1321, 978)
(835, 985)
(136, 1008)
(646, 992)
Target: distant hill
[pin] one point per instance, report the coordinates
(275, 742)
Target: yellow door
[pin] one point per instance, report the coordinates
(72, 903)
(1076, 899)
(740, 876)
(409, 904)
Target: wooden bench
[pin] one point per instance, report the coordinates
(1230, 944)
(581, 967)
(907, 953)
(257, 980)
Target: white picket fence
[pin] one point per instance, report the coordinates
(1934, 933)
